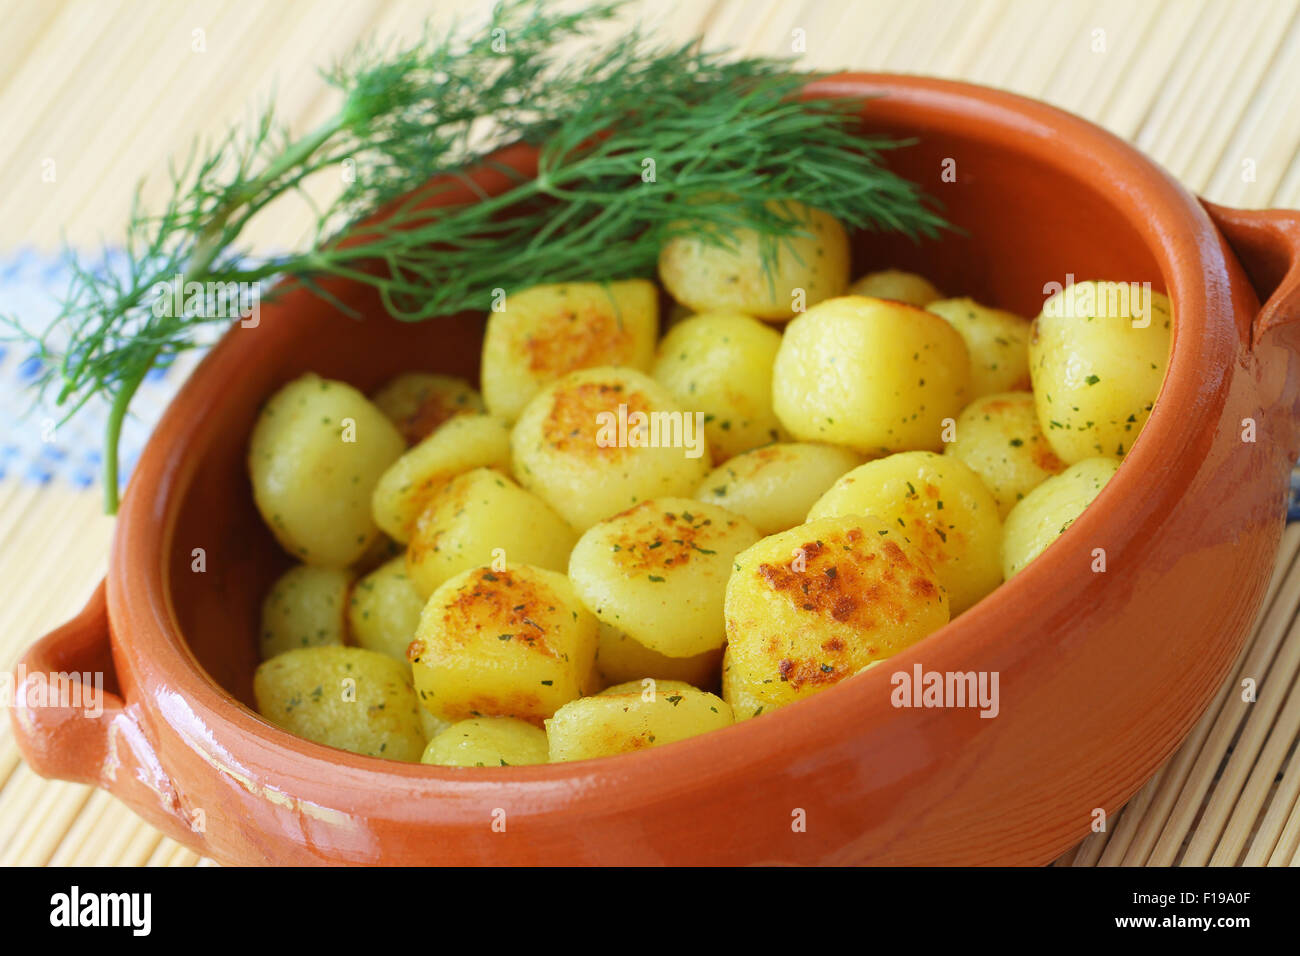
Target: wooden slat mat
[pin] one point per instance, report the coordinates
(109, 88)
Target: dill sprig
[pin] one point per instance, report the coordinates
(726, 136)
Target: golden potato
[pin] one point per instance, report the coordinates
(872, 375)
(550, 330)
(658, 572)
(385, 609)
(306, 607)
(1049, 509)
(937, 503)
(512, 643)
(487, 742)
(729, 276)
(811, 606)
(721, 364)
(998, 438)
(461, 444)
(345, 697)
(600, 440)
(897, 285)
(316, 453)
(774, 486)
(418, 402)
(633, 716)
(620, 658)
(998, 342)
(479, 518)
(1098, 354)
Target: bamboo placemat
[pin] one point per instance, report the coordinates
(107, 89)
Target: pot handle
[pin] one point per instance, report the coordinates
(1267, 243)
(71, 722)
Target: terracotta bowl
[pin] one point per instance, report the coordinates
(1101, 674)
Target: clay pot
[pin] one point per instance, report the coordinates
(1101, 674)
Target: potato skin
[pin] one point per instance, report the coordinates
(872, 375)
(487, 742)
(512, 643)
(344, 697)
(659, 570)
(998, 342)
(940, 505)
(774, 486)
(548, 331)
(306, 607)
(633, 716)
(720, 363)
(620, 658)
(999, 439)
(898, 285)
(1095, 376)
(559, 455)
(418, 402)
(710, 277)
(463, 443)
(474, 515)
(384, 610)
(1049, 509)
(311, 484)
(808, 607)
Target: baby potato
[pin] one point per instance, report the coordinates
(345, 697)
(937, 503)
(474, 518)
(721, 364)
(1049, 509)
(774, 486)
(512, 643)
(633, 716)
(306, 607)
(658, 572)
(487, 742)
(1097, 355)
(897, 285)
(550, 330)
(999, 439)
(729, 277)
(620, 658)
(463, 443)
(872, 375)
(811, 606)
(418, 402)
(998, 342)
(385, 609)
(600, 440)
(316, 454)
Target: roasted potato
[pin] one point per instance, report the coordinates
(620, 658)
(721, 364)
(487, 742)
(316, 453)
(306, 607)
(900, 286)
(418, 402)
(512, 643)
(872, 375)
(998, 342)
(711, 275)
(658, 572)
(998, 438)
(479, 517)
(385, 609)
(345, 697)
(1049, 509)
(633, 716)
(808, 607)
(600, 440)
(550, 330)
(774, 486)
(1098, 354)
(940, 505)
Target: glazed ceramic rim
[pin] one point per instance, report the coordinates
(1205, 339)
